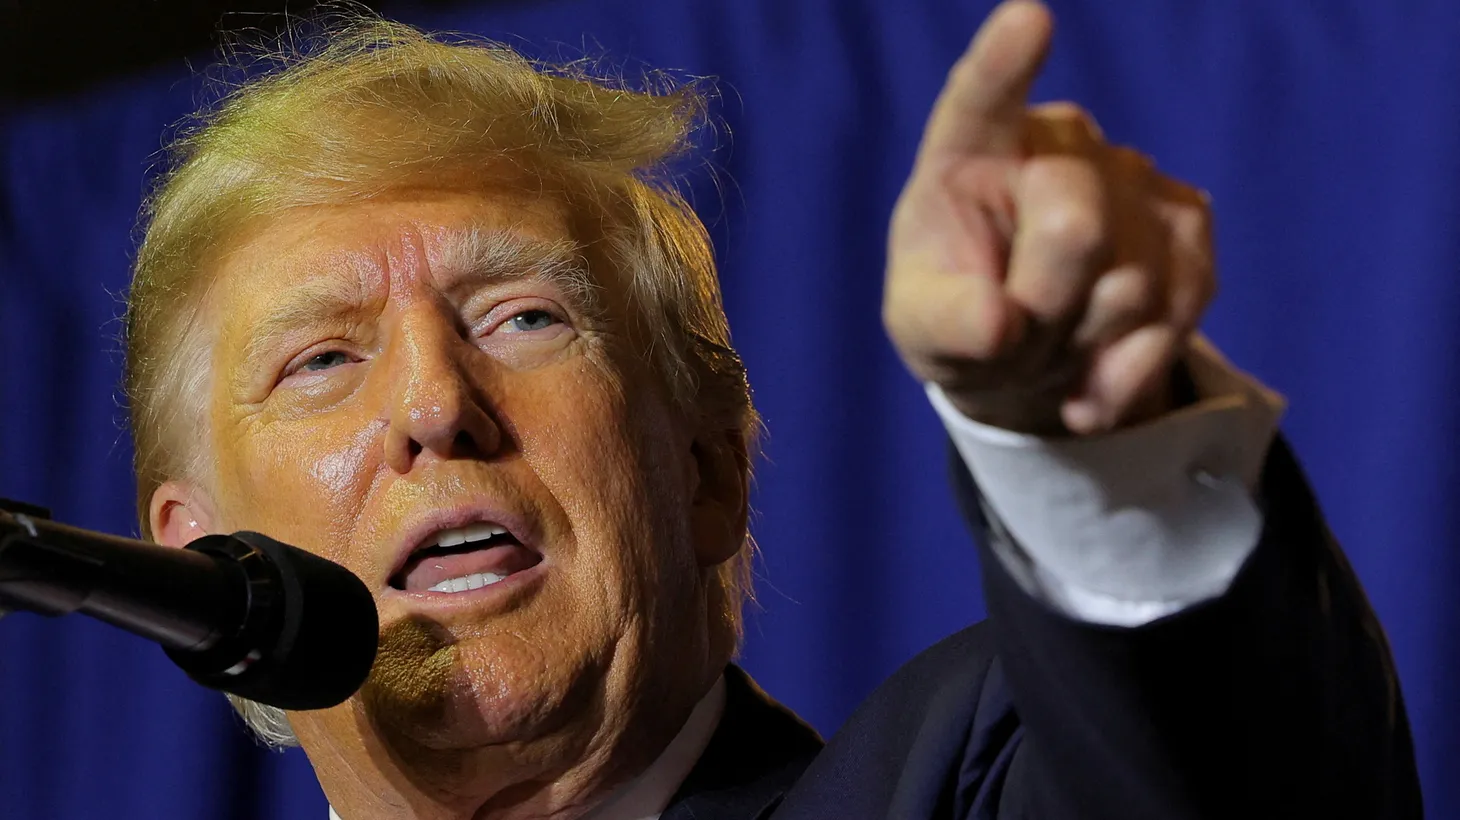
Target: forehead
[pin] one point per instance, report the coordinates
(382, 244)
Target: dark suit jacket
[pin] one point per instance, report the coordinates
(1277, 700)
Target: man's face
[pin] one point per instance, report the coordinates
(424, 369)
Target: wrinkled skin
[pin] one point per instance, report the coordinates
(428, 389)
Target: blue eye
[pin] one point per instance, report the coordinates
(529, 320)
(325, 361)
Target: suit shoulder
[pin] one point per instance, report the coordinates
(965, 655)
(896, 749)
(955, 667)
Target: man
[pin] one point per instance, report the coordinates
(432, 313)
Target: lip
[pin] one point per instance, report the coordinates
(460, 515)
(499, 597)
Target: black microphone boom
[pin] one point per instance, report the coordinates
(241, 613)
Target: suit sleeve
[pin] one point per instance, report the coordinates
(1277, 698)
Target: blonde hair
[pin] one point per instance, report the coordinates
(366, 106)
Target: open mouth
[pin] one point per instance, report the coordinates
(464, 559)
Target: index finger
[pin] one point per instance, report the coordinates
(981, 108)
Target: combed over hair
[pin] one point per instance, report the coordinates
(366, 106)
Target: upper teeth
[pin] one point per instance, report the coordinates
(471, 532)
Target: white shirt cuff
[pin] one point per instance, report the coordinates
(1134, 525)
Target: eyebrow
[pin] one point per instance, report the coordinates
(476, 255)
(473, 257)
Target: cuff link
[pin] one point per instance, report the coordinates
(1211, 480)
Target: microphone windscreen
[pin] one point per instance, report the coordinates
(323, 641)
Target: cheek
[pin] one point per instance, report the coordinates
(612, 458)
(339, 472)
(301, 482)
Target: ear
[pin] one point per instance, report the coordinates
(179, 513)
(721, 496)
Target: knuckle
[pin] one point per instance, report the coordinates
(1183, 196)
(1191, 223)
(1127, 292)
(1073, 225)
(1206, 287)
(1061, 127)
(1129, 162)
(1120, 300)
(1064, 112)
(1191, 298)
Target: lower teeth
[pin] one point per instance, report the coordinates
(476, 580)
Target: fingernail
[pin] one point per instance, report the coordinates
(1082, 416)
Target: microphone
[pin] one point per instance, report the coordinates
(241, 613)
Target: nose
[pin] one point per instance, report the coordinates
(437, 409)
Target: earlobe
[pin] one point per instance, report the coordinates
(179, 513)
(721, 498)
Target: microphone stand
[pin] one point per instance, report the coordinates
(21, 514)
(53, 569)
(242, 613)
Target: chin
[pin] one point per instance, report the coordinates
(479, 692)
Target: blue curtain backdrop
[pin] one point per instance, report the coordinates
(1328, 134)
